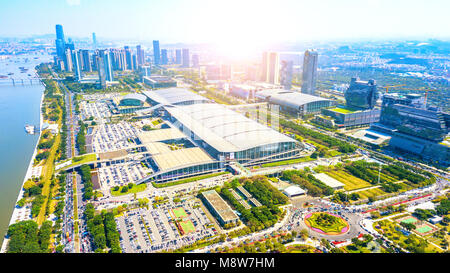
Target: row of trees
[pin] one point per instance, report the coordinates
(87, 180)
(26, 237)
(320, 138)
(306, 180)
(81, 139)
(103, 230)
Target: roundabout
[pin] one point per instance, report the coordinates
(326, 223)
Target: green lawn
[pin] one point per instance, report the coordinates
(287, 162)
(179, 213)
(327, 222)
(186, 180)
(187, 226)
(351, 182)
(82, 160)
(134, 189)
(342, 110)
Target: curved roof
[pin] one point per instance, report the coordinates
(134, 96)
(173, 96)
(224, 129)
(288, 98)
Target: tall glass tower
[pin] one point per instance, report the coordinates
(156, 53)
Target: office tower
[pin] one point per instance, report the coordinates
(361, 94)
(287, 69)
(59, 32)
(68, 60)
(156, 53)
(164, 59)
(309, 72)
(271, 67)
(140, 55)
(128, 58)
(107, 65)
(86, 60)
(135, 64)
(60, 42)
(195, 60)
(101, 71)
(94, 61)
(123, 60)
(76, 60)
(186, 61)
(178, 56)
(94, 40)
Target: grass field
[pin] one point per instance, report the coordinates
(82, 160)
(300, 249)
(371, 193)
(179, 213)
(326, 222)
(134, 189)
(186, 180)
(287, 162)
(351, 182)
(187, 227)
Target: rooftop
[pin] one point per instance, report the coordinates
(180, 158)
(224, 210)
(173, 95)
(288, 97)
(327, 180)
(160, 135)
(224, 129)
(294, 190)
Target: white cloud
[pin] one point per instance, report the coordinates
(73, 2)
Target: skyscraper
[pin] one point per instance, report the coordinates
(128, 58)
(309, 72)
(94, 40)
(86, 60)
(286, 72)
(271, 67)
(68, 63)
(101, 71)
(107, 65)
(156, 54)
(59, 42)
(186, 60)
(178, 56)
(76, 58)
(164, 59)
(195, 60)
(140, 55)
(59, 32)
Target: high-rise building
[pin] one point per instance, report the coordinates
(164, 59)
(68, 64)
(76, 59)
(60, 42)
(156, 53)
(271, 67)
(140, 55)
(101, 71)
(128, 58)
(287, 69)
(361, 94)
(178, 56)
(134, 61)
(186, 60)
(107, 65)
(94, 40)
(195, 60)
(59, 32)
(86, 60)
(309, 72)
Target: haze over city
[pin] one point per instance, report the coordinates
(230, 22)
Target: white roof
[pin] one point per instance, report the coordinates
(294, 190)
(288, 98)
(327, 180)
(160, 135)
(173, 95)
(225, 129)
(181, 158)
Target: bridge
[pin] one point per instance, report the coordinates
(20, 81)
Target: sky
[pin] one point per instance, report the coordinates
(229, 22)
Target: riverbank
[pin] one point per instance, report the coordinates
(24, 213)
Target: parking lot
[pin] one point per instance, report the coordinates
(152, 230)
(112, 137)
(99, 110)
(121, 174)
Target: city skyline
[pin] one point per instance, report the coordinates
(209, 22)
